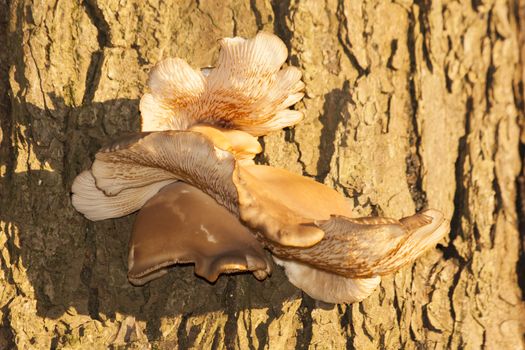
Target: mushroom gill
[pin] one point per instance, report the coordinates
(246, 90)
(95, 205)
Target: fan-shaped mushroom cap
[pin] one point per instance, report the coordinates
(284, 206)
(137, 161)
(246, 90)
(368, 247)
(182, 224)
(326, 286)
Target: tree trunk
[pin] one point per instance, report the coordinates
(407, 105)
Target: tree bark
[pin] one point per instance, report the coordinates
(408, 105)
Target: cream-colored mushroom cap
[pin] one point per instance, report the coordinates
(326, 286)
(246, 90)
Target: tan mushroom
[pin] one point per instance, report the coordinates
(201, 136)
(134, 167)
(362, 250)
(246, 90)
(296, 218)
(283, 205)
(182, 224)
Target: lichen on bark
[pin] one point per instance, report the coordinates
(408, 105)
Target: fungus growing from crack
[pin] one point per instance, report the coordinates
(195, 155)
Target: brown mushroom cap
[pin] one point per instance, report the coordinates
(368, 247)
(182, 224)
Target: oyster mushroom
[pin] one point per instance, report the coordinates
(129, 171)
(246, 90)
(200, 136)
(296, 218)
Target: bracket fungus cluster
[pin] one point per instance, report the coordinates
(201, 198)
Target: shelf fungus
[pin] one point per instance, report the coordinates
(201, 198)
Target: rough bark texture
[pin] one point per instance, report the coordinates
(409, 104)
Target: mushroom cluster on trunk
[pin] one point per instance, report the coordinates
(201, 198)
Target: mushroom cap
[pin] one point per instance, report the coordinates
(284, 206)
(182, 224)
(137, 162)
(369, 247)
(326, 286)
(246, 90)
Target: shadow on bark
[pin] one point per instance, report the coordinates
(76, 266)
